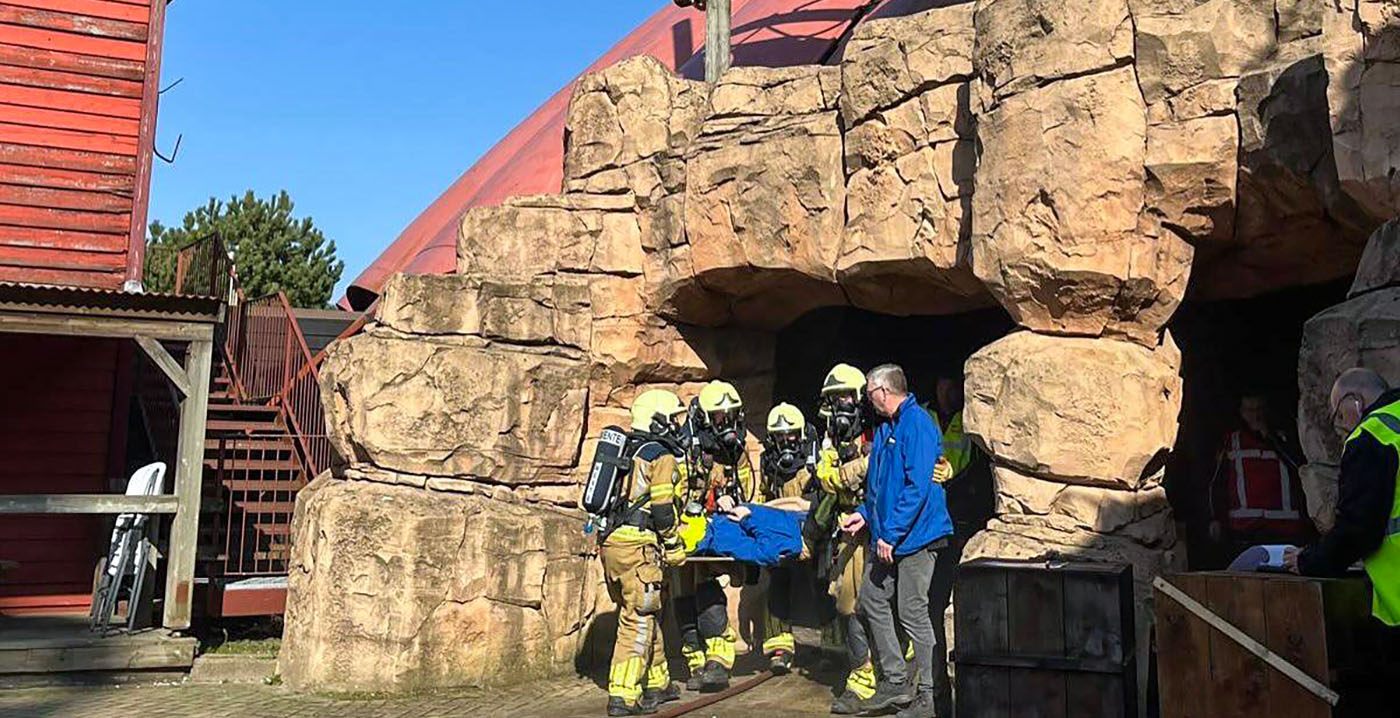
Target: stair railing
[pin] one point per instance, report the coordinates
(266, 353)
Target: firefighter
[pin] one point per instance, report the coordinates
(787, 448)
(1255, 488)
(841, 473)
(641, 535)
(721, 477)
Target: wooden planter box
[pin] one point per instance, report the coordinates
(1323, 627)
(1037, 639)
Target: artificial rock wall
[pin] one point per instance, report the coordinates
(1076, 162)
(1362, 331)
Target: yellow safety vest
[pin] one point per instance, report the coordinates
(1383, 565)
(957, 447)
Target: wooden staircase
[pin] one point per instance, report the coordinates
(252, 473)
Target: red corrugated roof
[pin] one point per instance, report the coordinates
(529, 160)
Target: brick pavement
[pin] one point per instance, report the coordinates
(791, 696)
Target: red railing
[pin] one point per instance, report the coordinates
(203, 268)
(272, 361)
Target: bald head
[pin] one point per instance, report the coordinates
(1353, 391)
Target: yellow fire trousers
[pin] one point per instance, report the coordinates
(632, 565)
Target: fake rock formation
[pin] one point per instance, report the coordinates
(1079, 163)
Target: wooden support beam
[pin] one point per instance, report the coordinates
(717, 50)
(167, 363)
(86, 504)
(22, 322)
(189, 475)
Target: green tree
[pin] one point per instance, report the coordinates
(272, 249)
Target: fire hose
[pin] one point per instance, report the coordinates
(713, 698)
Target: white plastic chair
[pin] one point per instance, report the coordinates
(128, 552)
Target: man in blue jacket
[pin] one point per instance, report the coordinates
(908, 520)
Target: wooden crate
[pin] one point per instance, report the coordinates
(1321, 626)
(1053, 640)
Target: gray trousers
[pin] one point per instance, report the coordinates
(901, 589)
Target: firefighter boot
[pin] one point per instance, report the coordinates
(780, 663)
(658, 696)
(619, 707)
(860, 686)
(714, 677)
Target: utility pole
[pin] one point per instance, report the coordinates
(716, 39)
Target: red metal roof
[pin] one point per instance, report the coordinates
(529, 160)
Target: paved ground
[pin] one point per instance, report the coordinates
(790, 696)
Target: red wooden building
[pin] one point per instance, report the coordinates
(79, 81)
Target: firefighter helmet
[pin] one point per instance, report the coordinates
(720, 396)
(785, 417)
(844, 377)
(651, 403)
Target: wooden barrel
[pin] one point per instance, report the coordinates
(1044, 639)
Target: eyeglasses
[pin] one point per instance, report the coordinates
(871, 390)
(1337, 411)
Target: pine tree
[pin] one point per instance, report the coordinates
(272, 249)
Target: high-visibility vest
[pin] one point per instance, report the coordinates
(957, 446)
(1383, 565)
(1260, 484)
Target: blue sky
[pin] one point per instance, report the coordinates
(363, 111)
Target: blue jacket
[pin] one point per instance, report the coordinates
(766, 536)
(903, 506)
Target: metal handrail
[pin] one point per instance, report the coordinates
(203, 268)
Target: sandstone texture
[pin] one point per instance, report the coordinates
(910, 159)
(620, 122)
(395, 588)
(1321, 490)
(1079, 163)
(1056, 208)
(1380, 263)
(1364, 331)
(438, 408)
(765, 192)
(1076, 410)
(1143, 515)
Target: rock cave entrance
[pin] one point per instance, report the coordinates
(928, 347)
(1231, 348)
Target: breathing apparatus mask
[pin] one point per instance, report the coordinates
(718, 416)
(785, 453)
(722, 435)
(845, 416)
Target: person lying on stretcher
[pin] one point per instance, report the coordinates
(763, 534)
(767, 534)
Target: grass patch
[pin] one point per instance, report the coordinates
(266, 647)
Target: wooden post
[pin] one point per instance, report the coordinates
(189, 475)
(716, 39)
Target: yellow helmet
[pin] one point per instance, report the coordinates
(652, 402)
(691, 530)
(720, 396)
(785, 417)
(844, 377)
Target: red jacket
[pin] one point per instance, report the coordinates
(1255, 489)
